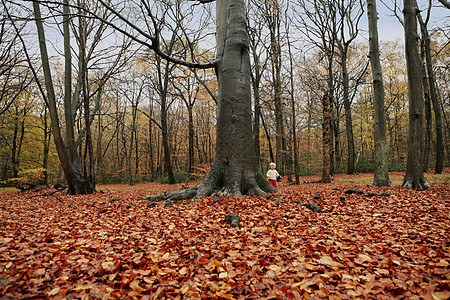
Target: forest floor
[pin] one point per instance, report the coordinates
(110, 245)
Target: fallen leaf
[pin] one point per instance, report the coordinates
(107, 265)
(311, 267)
(134, 285)
(203, 261)
(54, 291)
(183, 271)
(444, 295)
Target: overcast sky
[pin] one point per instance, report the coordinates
(390, 29)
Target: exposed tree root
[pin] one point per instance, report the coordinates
(252, 184)
(419, 184)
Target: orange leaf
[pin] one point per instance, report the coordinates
(203, 261)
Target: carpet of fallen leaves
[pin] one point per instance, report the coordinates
(110, 245)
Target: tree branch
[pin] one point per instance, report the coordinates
(155, 41)
(445, 3)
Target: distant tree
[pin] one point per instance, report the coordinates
(293, 102)
(15, 76)
(259, 63)
(431, 82)
(350, 13)
(79, 173)
(326, 127)
(318, 22)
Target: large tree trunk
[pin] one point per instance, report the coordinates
(414, 166)
(234, 171)
(191, 133)
(381, 175)
(150, 141)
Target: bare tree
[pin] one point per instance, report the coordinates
(14, 74)
(293, 102)
(188, 95)
(326, 127)
(350, 13)
(317, 21)
(259, 63)
(79, 181)
(381, 174)
(69, 159)
(431, 82)
(414, 177)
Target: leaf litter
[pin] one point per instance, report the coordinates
(90, 247)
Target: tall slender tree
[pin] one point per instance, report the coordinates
(414, 177)
(326, 140)
(429, 72)
(317, 21)
(381, 174)
(350, 13)
(67, 155)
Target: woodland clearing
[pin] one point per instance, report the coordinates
(111, 245)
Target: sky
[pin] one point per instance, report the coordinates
(390, 29)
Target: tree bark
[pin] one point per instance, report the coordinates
(46, 146)
(414, 166)
(428, 117)
(326, 173)
(164, 130)
(89, 163)
(68, 111)
(293, 114)
(348, 114)
(133, 129)
(381, 174)
(14, 158)
(330, 112)
(266, 130)
(191, 134)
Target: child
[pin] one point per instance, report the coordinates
(272, 175)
